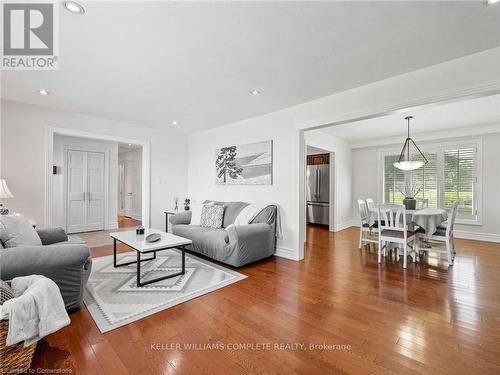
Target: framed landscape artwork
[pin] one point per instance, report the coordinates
(250, 164)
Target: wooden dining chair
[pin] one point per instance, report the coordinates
(442, 240)
(367, 232)
(393, 229)
(421, 203)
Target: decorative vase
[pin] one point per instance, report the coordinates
(186, 208)
(410, 203)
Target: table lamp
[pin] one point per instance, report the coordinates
(4, 193)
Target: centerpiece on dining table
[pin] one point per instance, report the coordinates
(410, 191)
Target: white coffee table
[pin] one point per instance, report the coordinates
(139, 244)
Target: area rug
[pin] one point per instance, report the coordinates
(114, 300)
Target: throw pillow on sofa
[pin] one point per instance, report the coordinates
(196, 209)
(212, 216)
(15, 230)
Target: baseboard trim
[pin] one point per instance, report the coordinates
(345, 225)
(467, 235)
(285, 252)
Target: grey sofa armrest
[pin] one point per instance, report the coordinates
(68, 266)
(182, 217)
(29, 260)
(53, 235)
(253, 241)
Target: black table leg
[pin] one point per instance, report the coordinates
(115, 264)
(139, 269)
(143, 283)
(114, 252)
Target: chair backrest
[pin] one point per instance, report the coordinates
(363, 211)
(422, 203)
(451, 221)
(370, 204)
(392, 216)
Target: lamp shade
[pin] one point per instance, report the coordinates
(4, 190)
(409, 165)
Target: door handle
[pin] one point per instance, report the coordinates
(319, 183)
(316, 183)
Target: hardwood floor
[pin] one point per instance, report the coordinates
(101, 237)
(127, 222)
(428, 319)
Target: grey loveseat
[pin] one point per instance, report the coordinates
(233, 245)
(67, 263)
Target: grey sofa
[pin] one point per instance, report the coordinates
(67, 263)
(233, 245)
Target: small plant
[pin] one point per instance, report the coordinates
(410, 190)
(187, 203)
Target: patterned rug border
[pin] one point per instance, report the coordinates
(99, 316)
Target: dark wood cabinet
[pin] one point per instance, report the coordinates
(318, 159)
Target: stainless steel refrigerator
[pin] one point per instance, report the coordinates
(318, 193)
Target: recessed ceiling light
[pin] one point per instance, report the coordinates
(43, 92)
(74, 7)
(255, 92)
(130, 144)
(174, 122)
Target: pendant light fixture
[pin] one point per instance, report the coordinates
(406, 161)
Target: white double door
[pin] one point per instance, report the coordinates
(86, 195)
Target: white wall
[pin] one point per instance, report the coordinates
(340, 209)
(458, 78)
(366, 180)
(59, 180)
(202, 185)
(135, 158)
(24, 147)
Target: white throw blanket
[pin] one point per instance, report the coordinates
(249, 213)
(37, 311)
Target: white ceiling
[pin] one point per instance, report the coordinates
(468, 113)
(150, 63)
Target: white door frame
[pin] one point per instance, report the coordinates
(146, 162)
(67, 148)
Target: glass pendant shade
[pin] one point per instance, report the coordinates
(409, 165)
(407, 160)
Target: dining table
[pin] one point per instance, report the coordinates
(428, 218)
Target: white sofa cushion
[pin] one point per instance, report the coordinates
(196, 208)
(15, 230)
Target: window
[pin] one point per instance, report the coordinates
(423, 180)
(459, 180)
(451, 174)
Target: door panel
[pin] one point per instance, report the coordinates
(323, 183)
(318, 213)
(85, 191)
(76, 185)
(311, 185)
(128, 188)
(96, 193)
